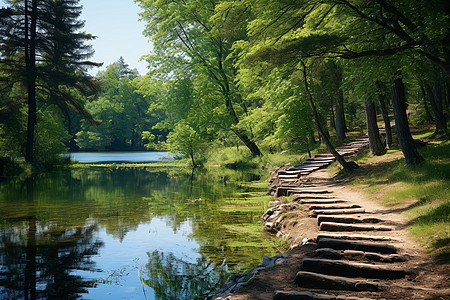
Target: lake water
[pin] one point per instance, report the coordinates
(128, 233)
(130, 156)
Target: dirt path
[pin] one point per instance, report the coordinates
(344, 246)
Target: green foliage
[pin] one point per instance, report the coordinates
(186, 141)
(149, 137)
(126, 107)
(8, 167)
(51, 138)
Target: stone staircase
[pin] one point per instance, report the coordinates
(357, 251)
(285, 179)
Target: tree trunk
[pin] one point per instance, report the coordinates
(312, 138)
(425, 102)
(386, 119)
(251, 145)
(30, 70)
(375, 145)
(435, 97)
(340, 117)
(405, 139)
(332, 119)
(346, 165)
(307, 147)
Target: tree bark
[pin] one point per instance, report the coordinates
(346, 165)
(340, 117)
(386, 119)
(251, 145)
(332, 118)
(405, 139)
(435, 97)
(30, 70)
(425, 102)
(375, 145)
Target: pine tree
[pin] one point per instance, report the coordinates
(43, 46)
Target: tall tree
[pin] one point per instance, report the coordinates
(185, 29)
(405, 139)
(42, 40)
(375, 145)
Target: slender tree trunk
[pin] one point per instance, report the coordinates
(425, 102)
(251, 145)
(307, 147)
(346, 165)
(386, 119)
(30, 66)
(332, 119)
(192, 159)
(340, 117)
(375, 145)
(312, 138)
(435, 96)
(405, 139)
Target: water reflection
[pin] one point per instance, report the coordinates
(38, 263)
(86, 233)
(175, 278)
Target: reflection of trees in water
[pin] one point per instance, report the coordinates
(173, 278)
(38, 263)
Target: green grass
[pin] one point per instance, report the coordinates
(423, 191)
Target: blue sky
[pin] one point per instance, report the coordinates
(118, 31)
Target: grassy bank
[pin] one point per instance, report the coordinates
(423, 192)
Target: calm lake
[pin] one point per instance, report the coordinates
(135, 156)
(128, 233)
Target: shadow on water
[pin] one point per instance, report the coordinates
(56, 227)
(37, 262)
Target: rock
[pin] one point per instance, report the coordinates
(269, 262)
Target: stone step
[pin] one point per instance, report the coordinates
(345, 236)
(286, 172)
(333, 226)
(309, 163)
(328, 282)
(304, 168)
(333, 206)
(337, 211)
(283, 190)
(338, 244)
(324, 156)
(310, 191)
(305, 295)
(346, 219)
(321, 201)
(352, 269)
(294, 176)
(360, 255)
(302, 196)
(322, 160)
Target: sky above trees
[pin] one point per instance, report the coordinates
(119, 32)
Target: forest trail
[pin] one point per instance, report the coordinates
(344, 245)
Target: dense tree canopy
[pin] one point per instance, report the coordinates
(269, 75)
